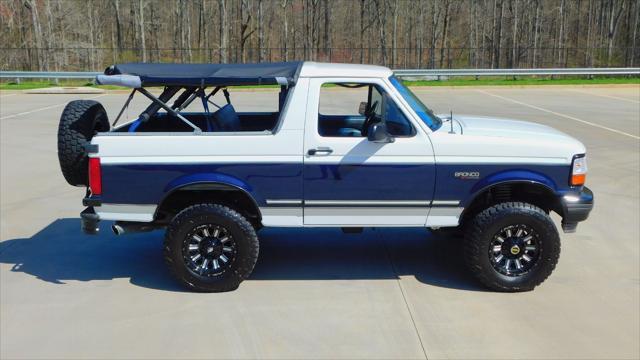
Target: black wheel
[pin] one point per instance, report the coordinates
(512, 246)
(210, 248)
(79, 122)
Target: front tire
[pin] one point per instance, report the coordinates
(512, 247)
(210, 248)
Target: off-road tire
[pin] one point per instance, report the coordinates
(202, 214)
(480, 233)
(79, 122)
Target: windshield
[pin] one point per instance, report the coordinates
(425, 114)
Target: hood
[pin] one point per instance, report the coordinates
(501, 137)
(485, 126)
(496, 127)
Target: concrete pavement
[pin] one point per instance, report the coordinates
(400, 293)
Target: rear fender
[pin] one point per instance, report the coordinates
(210, 181)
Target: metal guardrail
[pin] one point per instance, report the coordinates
(18, 75)
(516, 72)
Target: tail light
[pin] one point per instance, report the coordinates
(578, 170)
(95, 176)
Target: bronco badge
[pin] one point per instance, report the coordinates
(467, 175)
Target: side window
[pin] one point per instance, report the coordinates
(347, 110)
(397, 123)
(339, 112)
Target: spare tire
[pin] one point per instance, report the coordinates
(80, 121)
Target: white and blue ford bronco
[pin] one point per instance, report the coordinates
(339, 145)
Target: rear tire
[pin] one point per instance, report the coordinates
(210, 248)
(79, 122)
(512, 247)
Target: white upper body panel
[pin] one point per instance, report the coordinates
(314, 69)
(283, 145)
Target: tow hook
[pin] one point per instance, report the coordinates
(89, 221)
(569, 227)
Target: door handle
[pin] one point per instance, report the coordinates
(320, 150)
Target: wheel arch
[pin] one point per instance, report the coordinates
(539, 193)
(202, 189)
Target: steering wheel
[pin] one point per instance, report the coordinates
(369, 114)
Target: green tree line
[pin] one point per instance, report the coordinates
(92, 34)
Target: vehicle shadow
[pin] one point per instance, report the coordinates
(60, 253)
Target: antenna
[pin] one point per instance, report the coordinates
(451, 121)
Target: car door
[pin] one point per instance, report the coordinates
(351, 181)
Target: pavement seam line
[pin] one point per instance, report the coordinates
(606, 96)
(44, 108)
(404, 298)
(560, 114)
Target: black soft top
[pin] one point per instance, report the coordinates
(155, 74)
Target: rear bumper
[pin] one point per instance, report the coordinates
(575, 208)
(89, 221)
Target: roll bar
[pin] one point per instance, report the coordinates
(185, 98)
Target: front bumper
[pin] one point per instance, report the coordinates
(575, 208)
(89, 221)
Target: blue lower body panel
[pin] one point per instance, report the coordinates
(369, 182)
(149, 183)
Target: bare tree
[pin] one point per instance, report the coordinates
(635, 34)
(92, 61)
(514, 34)
(140, 29)
(186, 15)
(245, 31)
(326, 34)
(224, 31)
(434, 35)
(37, 31)
(260, 21)
(394, 33)
(445, 28)
(285, 29)
(362, 30)
(614, 20)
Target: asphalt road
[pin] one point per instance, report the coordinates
(399, 293)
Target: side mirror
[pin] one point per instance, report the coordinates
(378, 134)
(362, 109)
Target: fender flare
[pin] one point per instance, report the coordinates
(209, 181)
(509, 177)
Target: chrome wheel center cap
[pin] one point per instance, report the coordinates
(515, 250)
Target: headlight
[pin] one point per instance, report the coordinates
(578, 170)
